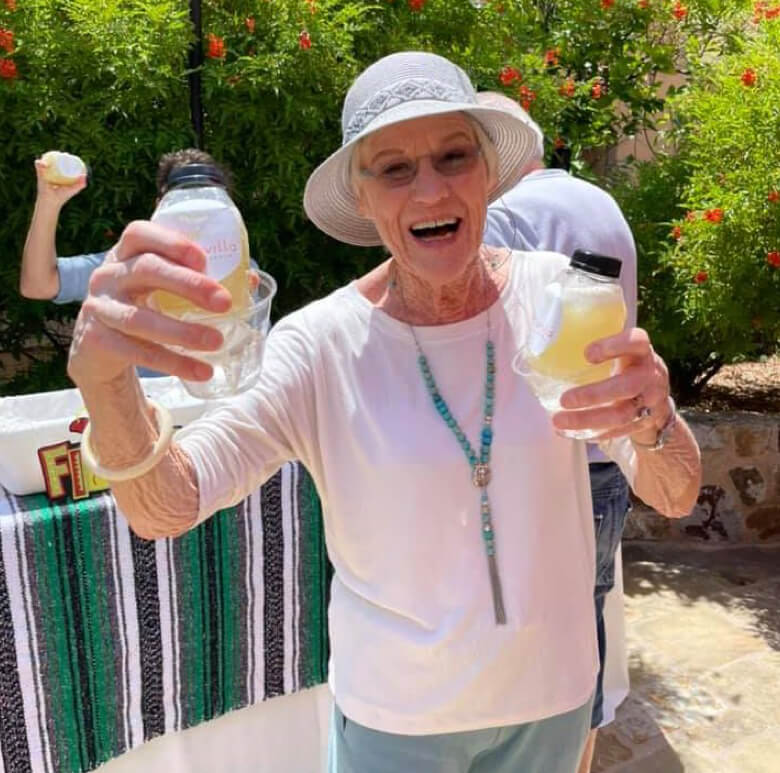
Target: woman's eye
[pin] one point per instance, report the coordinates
(453, 158)
(397, 170)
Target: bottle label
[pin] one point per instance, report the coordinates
(217, 232)
(547, 319)
(222, 245)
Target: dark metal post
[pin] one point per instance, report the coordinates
(196, 62)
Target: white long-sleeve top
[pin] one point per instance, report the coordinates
(415, 648)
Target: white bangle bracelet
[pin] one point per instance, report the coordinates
(165, 430)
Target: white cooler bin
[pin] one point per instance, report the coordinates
(31, 422)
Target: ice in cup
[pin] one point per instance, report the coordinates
(238, 362)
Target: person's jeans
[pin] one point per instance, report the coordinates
(609, 490)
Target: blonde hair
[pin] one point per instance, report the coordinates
(486, 147)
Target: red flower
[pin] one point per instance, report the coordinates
(773, 258)
(680, 11)
(749, 77)
(676, 232)
(596, 91)
(8, 69)
(713, 215)
(7, 40)
(701, 277)
(250, 23)
(773, 197)
(772, 13)
(416, 5)
(551, 57)
(527, 96)
(10, 5)
(509, 75)
(559, 143)
(643, 4)
(567, 88)
(304, 40)
(690, 217)
(607, 4)
(216, 49)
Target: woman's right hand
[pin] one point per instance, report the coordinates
(115, 330)
(56, 195)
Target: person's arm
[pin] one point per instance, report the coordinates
(669, 479)
(216, 460)
(38, 277)
(629, 410)
(73, 276)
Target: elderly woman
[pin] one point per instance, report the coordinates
(457, 518)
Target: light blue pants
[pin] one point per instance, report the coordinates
(551, 745)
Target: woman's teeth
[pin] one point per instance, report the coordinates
(435, 229)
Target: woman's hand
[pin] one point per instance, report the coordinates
(56, 195)
(634, 402)
(115, 330)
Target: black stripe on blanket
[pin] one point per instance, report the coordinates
(16, 754)
(150, 639)
(273, 585)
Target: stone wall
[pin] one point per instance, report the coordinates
(739, 500)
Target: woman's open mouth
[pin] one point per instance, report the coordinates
(435, 230)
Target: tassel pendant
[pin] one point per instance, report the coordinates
(495, 584)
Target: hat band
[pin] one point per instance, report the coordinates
(398, 93)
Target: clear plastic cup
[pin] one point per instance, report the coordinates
(549, 390)
(237, 363)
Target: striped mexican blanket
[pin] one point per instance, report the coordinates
(108, 640)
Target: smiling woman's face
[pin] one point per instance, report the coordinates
(431, 221)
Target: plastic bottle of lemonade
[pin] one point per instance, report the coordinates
(62, 168)
(582, 304)
(197, 206)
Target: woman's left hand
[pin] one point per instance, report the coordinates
(634, 402)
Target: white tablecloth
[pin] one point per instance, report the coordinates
(288, 734)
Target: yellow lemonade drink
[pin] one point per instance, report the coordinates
(583, 304)
(197, 206)
(587, 314)
(203, 212)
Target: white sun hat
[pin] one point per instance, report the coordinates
(401, 87)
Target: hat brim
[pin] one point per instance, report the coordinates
(328, 198)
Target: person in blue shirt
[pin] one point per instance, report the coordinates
(549, 209)
(44, 275)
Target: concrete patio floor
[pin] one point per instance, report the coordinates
(703, 637)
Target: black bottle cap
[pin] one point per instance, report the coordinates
(592, 262)
(195, 174)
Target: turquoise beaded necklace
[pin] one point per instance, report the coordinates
(478, 463)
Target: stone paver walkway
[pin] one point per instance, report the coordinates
(703, 635)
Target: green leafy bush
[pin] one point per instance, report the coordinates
(108, 80)
(707, 220)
